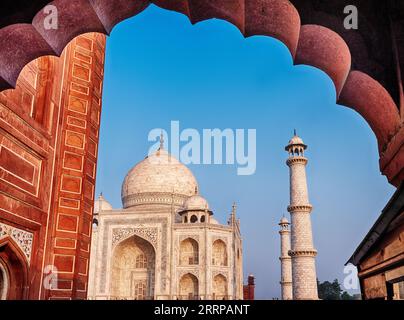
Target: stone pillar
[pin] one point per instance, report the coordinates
(286, 261)
(302, 251)
(70, 223)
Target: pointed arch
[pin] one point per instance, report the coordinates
(219, 253)
(189, 252)
(16, 267)
(220, 287)
(188, 287)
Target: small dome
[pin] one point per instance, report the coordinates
(196, 202)
(284, 221)
(213, 221)
(296, 140)
(101, 204)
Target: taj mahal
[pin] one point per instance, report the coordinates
(165, 242)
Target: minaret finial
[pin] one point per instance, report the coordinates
(232, 220)
(233, 208)
(294, 132)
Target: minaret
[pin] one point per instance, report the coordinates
(286, 262)
(302, 252)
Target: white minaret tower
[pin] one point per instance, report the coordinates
(286, 262)
(302, 252)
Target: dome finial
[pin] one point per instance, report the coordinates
(294, 132)
(161, 140)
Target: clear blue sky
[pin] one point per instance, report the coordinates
(161, 68)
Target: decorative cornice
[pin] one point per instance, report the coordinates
(285, 258)
(300, 253)
(182, 212)
(300, 208)
(199, 225)
(164, 198)
(295, 160)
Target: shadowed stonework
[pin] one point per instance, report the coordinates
(366, 65)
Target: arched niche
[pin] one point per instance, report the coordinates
(189, 287)
(219, 253)
(189, 252)
(219, 286)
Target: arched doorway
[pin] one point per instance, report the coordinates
(220, 287)
(189, 287)
(13, 271)
(189, 252)
(133, 270)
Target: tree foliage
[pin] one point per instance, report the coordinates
(332, 291)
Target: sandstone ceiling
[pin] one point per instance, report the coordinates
(365, 64)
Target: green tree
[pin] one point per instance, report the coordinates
(329, 290)
(346, 296)
(332, 291)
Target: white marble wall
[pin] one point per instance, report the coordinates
(156, 225)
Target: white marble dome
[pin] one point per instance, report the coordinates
(156, 179)
(196, 202)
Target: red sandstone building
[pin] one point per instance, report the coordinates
(49, 124)
(49, 129)
(249, 288)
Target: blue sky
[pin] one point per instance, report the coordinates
(161, 68)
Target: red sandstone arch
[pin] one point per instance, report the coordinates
(310, 44)
(17, 269)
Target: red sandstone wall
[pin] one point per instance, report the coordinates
(248, 292)
(49, 128)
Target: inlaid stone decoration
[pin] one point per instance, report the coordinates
(149, 234)
(22, 238)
